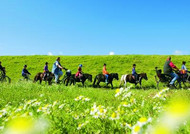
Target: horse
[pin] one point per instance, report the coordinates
(73, 79)
(39, 76)
(184, 78)
(129, 78)
(101, 78)
(166, 79)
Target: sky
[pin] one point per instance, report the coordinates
(94, 27)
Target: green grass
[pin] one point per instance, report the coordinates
(15, 98)
(17, 95)
(121, 64)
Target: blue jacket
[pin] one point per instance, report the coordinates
(134, 71)
(56, 69)
(25, 71)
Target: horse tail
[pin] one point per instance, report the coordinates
(35, 78)
(94, 81)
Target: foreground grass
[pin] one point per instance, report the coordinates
(85, 110)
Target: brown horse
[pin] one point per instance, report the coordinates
(101, 78)
(129, 78)
(39, 76)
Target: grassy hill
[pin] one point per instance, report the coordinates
(122, 64)
(71, 109)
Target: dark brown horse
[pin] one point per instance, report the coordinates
(39, 76)
(101, 78)
(72, 79)
(129, 78)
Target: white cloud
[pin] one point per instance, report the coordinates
(178, 52)
(50, 53)
(111, 53)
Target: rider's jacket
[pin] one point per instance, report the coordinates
(168, 67)
(79, 71)
(25, 71)
(46, 69)
(56, 69)
(134, 71)
(104, 71)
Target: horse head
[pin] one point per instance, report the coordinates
(115, 75)
(144, 75)
(90, 77)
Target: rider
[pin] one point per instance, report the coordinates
(2, 68)
(184, 70)
(79, 73)
(57, 69)
(105, 73)
(46, 71)
(25, 72)
(134, 73)
(168, 66)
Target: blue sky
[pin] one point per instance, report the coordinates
(94, 27)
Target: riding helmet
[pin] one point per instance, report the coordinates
(80, 65)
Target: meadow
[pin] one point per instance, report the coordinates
(121, 64)
(31, 108)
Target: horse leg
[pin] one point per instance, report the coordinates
(98, 83)
(125, 83)
(135, 85)
(111, 85)
(40, 80)
(106, 85)
(158, 85)
(157, 82)
(74, 82)
(49, 82)
(67, 81)
(140, 83)
(121, 81)
(184, 84)
(71, 82)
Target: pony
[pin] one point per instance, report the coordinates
(129, 78)
(101, 78)
(39, 76)
(72, 79)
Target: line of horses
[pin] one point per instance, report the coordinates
(70, 79)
